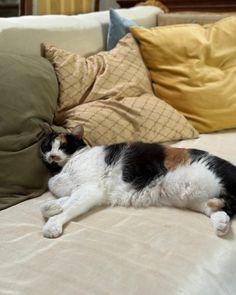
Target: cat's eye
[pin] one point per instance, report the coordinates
(62, 146)
(46, 146)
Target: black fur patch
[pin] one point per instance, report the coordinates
(197, 155)
(72, 144)
(46, 147)
(226, 172)
(46, 144)
(142, 163)
(113, 153)
(54, 168)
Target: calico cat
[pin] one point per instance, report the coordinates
(134, 174)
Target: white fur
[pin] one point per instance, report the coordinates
(221, 222)
(55, 151)
(86, 181)
(189, 187)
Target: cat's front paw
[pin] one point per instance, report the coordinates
(221, 222)
(52, 229)
(50, 208)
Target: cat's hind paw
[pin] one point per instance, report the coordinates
(221, 223)
(52, 229)
(51, 208)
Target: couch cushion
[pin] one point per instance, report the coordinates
(84, 33)
(193, 68)
(189, 17)
(110, 94)
(28, 98)
(117, 250)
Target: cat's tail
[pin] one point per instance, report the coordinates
(229, 204)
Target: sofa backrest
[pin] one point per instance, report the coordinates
(190, 17)
(84, 34)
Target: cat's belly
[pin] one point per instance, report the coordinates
(188, 186)
(143, 198)
(123, 194)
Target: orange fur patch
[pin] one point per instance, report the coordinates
(175, 157)
(215, 204)
(62, 138)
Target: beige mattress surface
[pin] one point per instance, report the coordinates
(159, 251)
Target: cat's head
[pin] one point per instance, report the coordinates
(57, 148)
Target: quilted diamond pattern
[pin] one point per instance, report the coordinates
(110, 94)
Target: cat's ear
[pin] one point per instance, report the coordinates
(78, 131)
(47, 128)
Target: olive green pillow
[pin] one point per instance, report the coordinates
(28, 97)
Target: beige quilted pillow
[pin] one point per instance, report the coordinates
(110, 94)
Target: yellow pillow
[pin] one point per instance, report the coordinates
(110, 94)
(193, 68)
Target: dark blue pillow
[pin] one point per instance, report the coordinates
(118, 28)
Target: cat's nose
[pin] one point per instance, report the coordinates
(54, 158)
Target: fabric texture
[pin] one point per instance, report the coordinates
(28, 98)
(193, 68)
(117, 250)
(110, 94)
(118, 27)
(68, 7)
(201, 18)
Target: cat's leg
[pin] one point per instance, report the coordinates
(82, 200)
(53, 207)
(60, 185)
(219, 218)
(221, 222)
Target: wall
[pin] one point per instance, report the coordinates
(106, 4)
(66, 6)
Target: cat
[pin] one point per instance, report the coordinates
(133, 174)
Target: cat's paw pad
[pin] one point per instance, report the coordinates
(221, 222)
(52, 229)
(50, 208)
